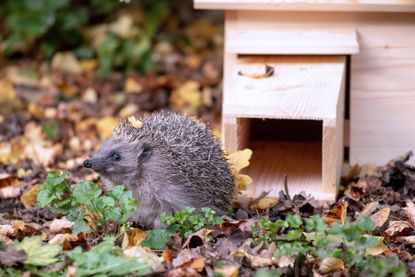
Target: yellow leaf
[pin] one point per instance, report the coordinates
(29, 197)
(337, 213)
(135, 122)
(7, 92)
(89, 65)
(242, 182)
(106, 125)
(264, 203)
(240, 159)
(132, 86)
(187, 98)
(331, 264)
(377, 249)
(228, 271)
(146, 256)
(133, 237)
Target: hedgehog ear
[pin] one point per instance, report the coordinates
(145, 153)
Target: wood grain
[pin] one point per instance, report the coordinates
(302, 87)
(301, 161)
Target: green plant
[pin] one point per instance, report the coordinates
(104, 260)
(184, 222)
(85, 204)
(312, 237)
(61, 25)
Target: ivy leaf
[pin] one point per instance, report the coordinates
(294, 221)
(38, 254)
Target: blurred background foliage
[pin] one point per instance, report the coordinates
(120, 36)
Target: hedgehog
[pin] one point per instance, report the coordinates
(169, 162)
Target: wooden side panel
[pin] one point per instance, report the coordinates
(383, 92)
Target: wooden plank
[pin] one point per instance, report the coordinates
(302, 87)
(309, 5)
(292, 41)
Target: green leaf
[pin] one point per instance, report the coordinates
(103, 260)
(157, 238)
(86, 192)
(38, 254)
(294, 221)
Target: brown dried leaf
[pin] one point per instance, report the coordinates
(186, 257)
(10, 256)
(399, 228)
(337, 213)
(408, 240)
(146, 256)
(9, 186)
(66, 62)
(410, 210)
(380, 217)
(133, 237)
(256, 73)
(331, 264)
(356, 191)
(187, 98)
(63, 238)
(61, 225)
(196, 239)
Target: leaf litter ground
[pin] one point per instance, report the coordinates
(54, 120)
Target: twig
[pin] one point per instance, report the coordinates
(286, 187)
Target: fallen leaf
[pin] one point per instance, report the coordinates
(399, 228)
(264, 203)
(89, 65)
(331, 264)
(7, 92)
(256, 73)
(369, 209)
(90, 96)
(187, 98)
(62, 238)
(128, 110)
(106, 125)
(167, 255)
(61, 225)
(380, 217)
(132, 86)
(378, 249)
(135, 122)
(369, 170)
(196, 239)
(337, 213)
(410, 210)
(228, 270)
(146, 256)
(38, 253)
(9, 186)
(238, 161)
(66, 62)
(186, 257)
(133, 237)
(356, 191)
(29, 197)
(408, 240)
(123, 26)
(10, 256)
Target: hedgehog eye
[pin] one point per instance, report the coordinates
(115, 157)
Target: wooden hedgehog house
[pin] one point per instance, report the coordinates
(310, 85)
